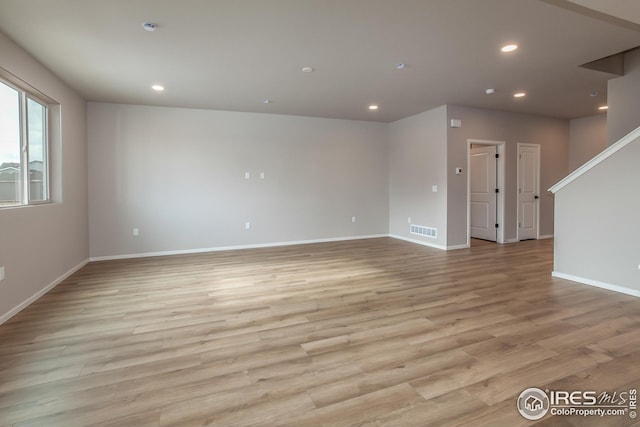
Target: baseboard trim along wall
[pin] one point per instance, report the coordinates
(235, 247)
(418, 242)
(457, 247)
(17, 309)
(596, 283)
(546, 236)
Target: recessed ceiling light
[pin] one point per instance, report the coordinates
(490, 91)
(509, 48)
(594, 93)
(373, 107)
(307, 70)
(266, 101)
(401, 66)
(604, 107)
(157, 88)
(519, 95)
(149, 26)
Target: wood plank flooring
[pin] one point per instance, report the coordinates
(374, 332)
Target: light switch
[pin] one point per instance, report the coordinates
(434, 188)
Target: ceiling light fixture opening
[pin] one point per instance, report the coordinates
(401, 66)
(509, 48)
(373, 107)
(266, 101)
(519, 95)
(307, 70)
(603, 108)
(158, 88)
(490, 91)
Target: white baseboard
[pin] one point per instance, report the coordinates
(17, 309)
(545, 236)
(456, 247)
(596, 283)
(235, 247)
(419, 242)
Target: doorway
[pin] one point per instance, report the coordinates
(528, 191)
(485, 190)
(483, 199)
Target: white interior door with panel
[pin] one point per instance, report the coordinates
(528, 191)
(482, 193)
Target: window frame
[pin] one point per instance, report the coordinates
(46, 191)
(24, 95)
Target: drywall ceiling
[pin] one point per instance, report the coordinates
(628, 10)
(233, 54)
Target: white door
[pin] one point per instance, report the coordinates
(528, 191)
(482, 193)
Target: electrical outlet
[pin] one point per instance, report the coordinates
(353, 219)
(247, 225)
(247, 175)
(136, 232)
(1, 274)
(261, 175)
(434, 188)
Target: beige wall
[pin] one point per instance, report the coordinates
(597, 223)
(417, 161)
(40, 244)
(587, 138)
(551, 134)
(178, 175)
(623, 98)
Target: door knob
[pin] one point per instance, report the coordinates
(536, 197)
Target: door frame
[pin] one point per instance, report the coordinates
(537, 148)
(500, 171)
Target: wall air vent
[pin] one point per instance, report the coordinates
(423, 231)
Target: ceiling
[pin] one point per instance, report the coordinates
(626, 10)
(234, 54)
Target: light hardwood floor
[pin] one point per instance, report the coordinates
(374, 332)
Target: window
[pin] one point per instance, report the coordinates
(24, 163)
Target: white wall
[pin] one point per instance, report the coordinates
(40, 244)
(623, 98)
(551, 134)
(417, 161)
(178, 175)
(597, 214)
(587, 138)
(597, 226)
